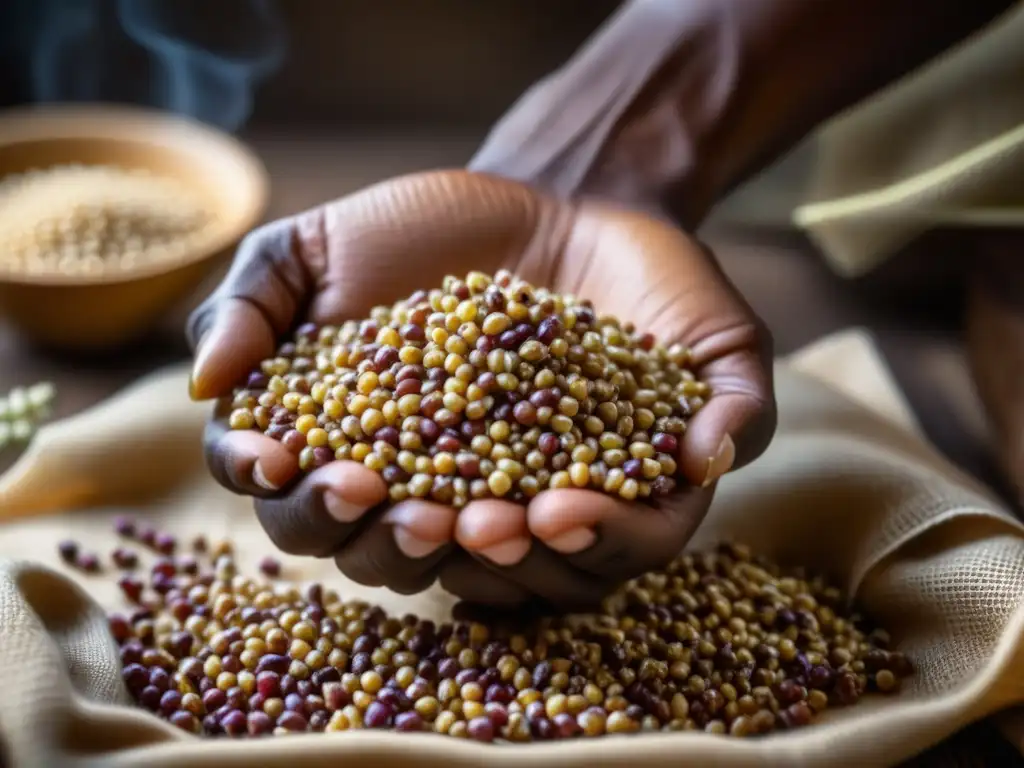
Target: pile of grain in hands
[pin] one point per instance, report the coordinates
(482, 388)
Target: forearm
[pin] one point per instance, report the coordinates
(674, 102)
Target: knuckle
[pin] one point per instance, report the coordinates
(360, 570)
(491, 591)
(413, 584)
(264, 237)
(290, 529)
(278, 534)
(272, 245)
(217, 459)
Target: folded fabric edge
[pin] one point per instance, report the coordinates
(900, 212)
(951, 516)
(907, 191)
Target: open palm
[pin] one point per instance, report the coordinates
(339, 260)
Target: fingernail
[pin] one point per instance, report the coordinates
(341, 510)
(198, 364)
(573, 540)
(260, 478)
(508, 552)
(411, 546)
(721, 462)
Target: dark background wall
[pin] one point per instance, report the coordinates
(420, 61)
(394, 63)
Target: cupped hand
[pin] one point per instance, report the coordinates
(337, 261)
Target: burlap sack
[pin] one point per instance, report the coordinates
(847, 487)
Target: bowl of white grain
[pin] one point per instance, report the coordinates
(112, 216)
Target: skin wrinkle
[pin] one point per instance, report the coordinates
(663, 311)
(580, 243)
(545, 248)
(272, 282)
(287, 526)
(305, 505)
(231, 469)
(669, 327)
(345, 531)
(292, 279)
(577, 285)
(378, 560)
(311, 249)
(473, 579)
(720, 344)
(274, 320)
(288, 530)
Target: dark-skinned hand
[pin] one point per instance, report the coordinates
(337, 261)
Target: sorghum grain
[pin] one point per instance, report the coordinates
(722, 641)
(88, 562)
(68, 551)
(482, 388)
(165, 543)
(124, 559)
(270, 566)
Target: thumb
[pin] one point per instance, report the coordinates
(738, 420)
(259, 299)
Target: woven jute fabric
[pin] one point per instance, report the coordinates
(848, 487)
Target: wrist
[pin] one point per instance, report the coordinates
(574, 134)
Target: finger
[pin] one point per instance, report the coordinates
(614, 539)
(402, 549)
(473, 583)
(236, 337)
(496, 534)
(680, 294)
(267, 286)
(739, 418)
(321, 512)
(547, 574)
(732, 352)
(494, 530)
(246, 462)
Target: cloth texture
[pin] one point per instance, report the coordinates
(848, 487)
(941, 147)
